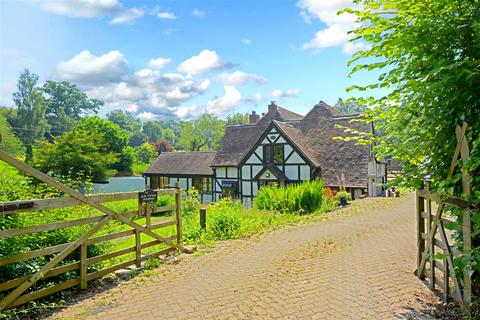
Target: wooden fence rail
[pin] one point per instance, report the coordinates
(20, 290)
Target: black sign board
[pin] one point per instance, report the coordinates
(147, 196)
(229, 184)
(17, 206)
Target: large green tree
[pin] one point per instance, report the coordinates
(428, 56)
(125, 120)
(77, 155)
(9, 142)
(237, 118)
(350, 106)
(202, 134)
(30, 123)
(66, 104)
(153, 130)
(115, 140)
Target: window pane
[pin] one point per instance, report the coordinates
(197, 184)
(207, 185)
(278, 154)
(267, 153)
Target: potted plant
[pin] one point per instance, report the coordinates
(343, 197)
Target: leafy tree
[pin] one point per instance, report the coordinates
(30, 123)
(153, 130)
(126, 159)
(175, 127)
(66, 104)
(125, 120)
(428, 56)
(237, 118)
(162, 146)
(78, 154)
(350, 106)
(145, 153)
(202, 134)
(9, 142)
(169, 135)
(115, 140)
(137, 138)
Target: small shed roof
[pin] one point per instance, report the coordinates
(182, 163)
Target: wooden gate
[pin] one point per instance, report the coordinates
(21, 290)
(435, 251)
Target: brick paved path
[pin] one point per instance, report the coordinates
(353, 266)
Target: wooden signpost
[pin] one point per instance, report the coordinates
(150, 198)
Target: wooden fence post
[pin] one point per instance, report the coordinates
(178, 215)
(203, 218)
(148, 215)
(138, 249)
(432, 246)
(83, 265)
(420, 229)
(467, 223)
(446, 279)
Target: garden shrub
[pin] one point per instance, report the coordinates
(306, 196)
(190, 201)
(226, 219)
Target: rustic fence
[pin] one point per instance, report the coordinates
(20, 290)
(435, 250)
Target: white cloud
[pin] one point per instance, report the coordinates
(186, 112)
(333, 36)
(127, 16)
(285, 94)
(159, 63)
(132, 108)
(166, 15)
(225, 103)
(147, 116)
(86, 68)
(337, 26)
(169, 31)
(239, 78)
(206, 60)
(352, 47)
(246, 41)
(93, 9)
(258, 97)
(198, 13)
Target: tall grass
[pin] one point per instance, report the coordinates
(306, 196)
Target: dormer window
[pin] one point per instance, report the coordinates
(273, 153)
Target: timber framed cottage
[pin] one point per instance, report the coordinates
(281, 147)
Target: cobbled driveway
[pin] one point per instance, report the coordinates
(358, 264)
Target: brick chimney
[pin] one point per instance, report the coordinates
(272, 107)
(253, 117)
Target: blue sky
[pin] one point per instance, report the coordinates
(176, 59)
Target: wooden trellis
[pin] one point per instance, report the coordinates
(430, 226)
(16, 288)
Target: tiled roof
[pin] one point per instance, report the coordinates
(312, 135)
(182, 163)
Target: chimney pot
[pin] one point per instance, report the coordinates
(272, 107)
(253, 118)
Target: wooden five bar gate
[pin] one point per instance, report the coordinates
(20, 290)
(436, 253)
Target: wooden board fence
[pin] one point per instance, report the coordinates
(20, 290)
